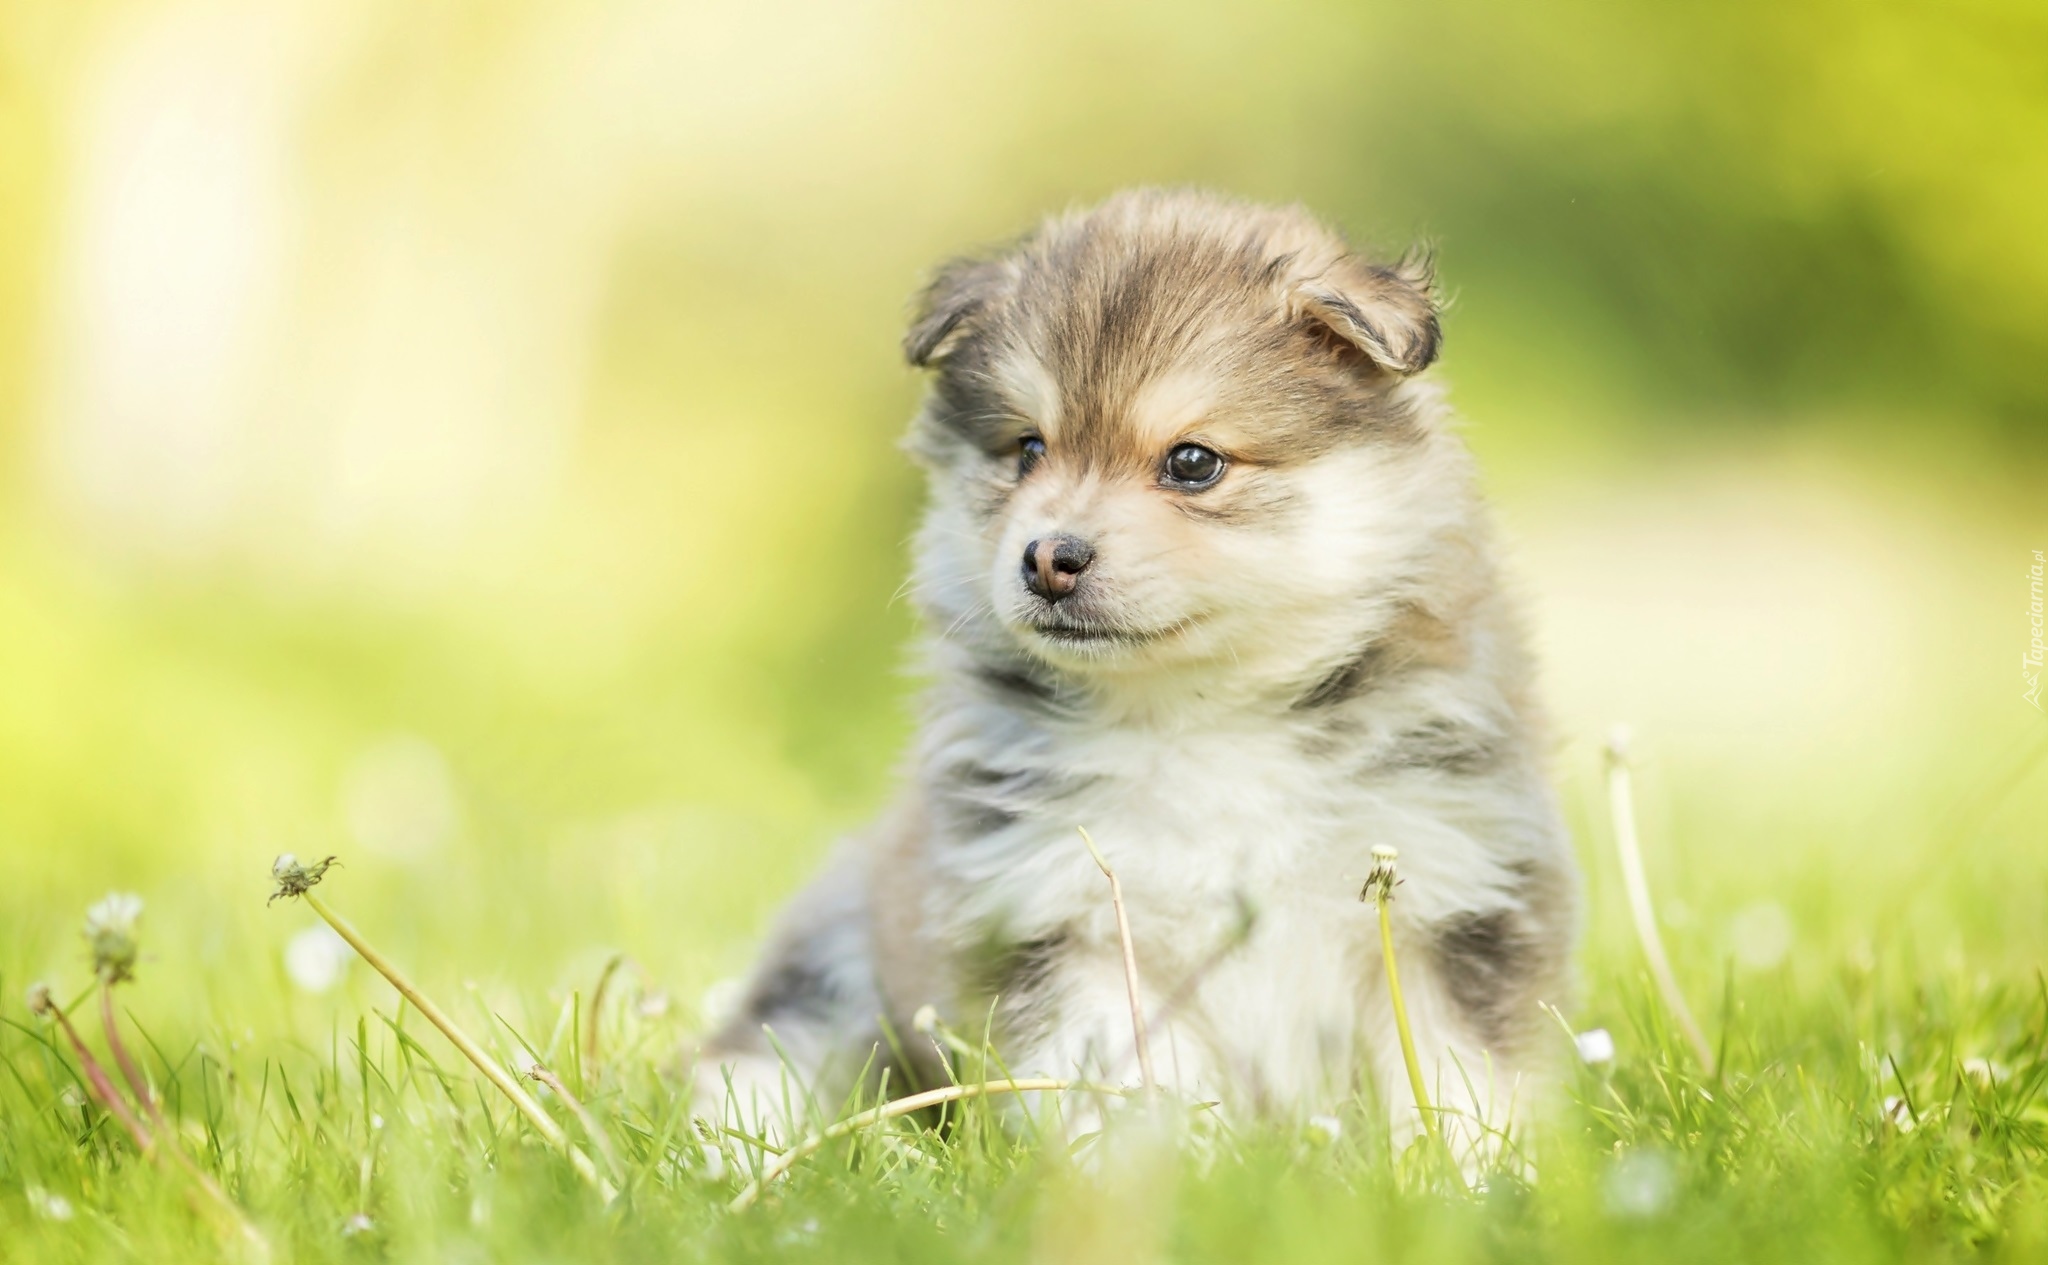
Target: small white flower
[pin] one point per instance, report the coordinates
(926, 1019)
(1330, 1127)
(358, 1224)
(1596, 1046)
(1984, 1071)
(316, 958)
(52, 1207)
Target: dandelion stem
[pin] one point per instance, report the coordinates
(789, 1159)
(102, 1085)
(119, 1049)
(542, 1122)
(168, 1134)
(1621, 807)
(1379, 888)
(1123, 932)
(1413, 1063)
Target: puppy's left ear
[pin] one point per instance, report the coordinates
(1387, 311)
(963, 294)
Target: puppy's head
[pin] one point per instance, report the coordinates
(1174, 430)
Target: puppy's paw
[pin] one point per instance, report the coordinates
(753, 1095)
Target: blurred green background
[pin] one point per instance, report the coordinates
(460, 437)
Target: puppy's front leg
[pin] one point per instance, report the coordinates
(1079, 1027)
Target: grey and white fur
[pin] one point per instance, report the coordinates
(1205, 571)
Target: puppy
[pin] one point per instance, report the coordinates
(1205, 572)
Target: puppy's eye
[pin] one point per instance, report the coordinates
(1030, 451)
(1193, 466)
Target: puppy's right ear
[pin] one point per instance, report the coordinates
(1387, 311)
(962, 294)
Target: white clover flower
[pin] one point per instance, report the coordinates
(38, 999)
(926, 1019)
(110, 929)
(1595, 1045)
(1329, 1128)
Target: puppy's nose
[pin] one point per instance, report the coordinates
(1053, 565)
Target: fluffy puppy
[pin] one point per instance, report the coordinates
(1204, 571)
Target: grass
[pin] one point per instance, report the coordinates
(1880, 1111)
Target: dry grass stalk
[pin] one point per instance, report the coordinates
(293, 880)
(1621, 806)
(1123, 931)
(583, 1117)
(591, 1020)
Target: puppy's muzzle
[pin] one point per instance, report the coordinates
(1053, 565)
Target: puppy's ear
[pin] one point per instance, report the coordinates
(963, 292)
(1387, 311)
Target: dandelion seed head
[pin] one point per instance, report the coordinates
(294, 877)
(110, 931)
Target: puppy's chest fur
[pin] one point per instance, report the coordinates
(1264, 820)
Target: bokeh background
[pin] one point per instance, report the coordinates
(460, 436)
